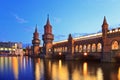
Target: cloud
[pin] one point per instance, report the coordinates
(19, 19)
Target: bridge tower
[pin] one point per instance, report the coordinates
(106, 55)
(70, 45)
(104, 35)
(70, 48)
(36, 43)
(48, 38)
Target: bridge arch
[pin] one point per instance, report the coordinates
(80, 48)
(66, 49)
(99, 47)
(84, 48)
(55, 50)
(115, 45)
(76, 48)
(88, 48)
(93, 47)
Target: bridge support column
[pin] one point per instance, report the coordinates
(108, 57)
(69, 57)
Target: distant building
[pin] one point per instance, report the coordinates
(12, 48)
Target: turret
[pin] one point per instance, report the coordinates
(47, 37)
(104, 28)
(70, 45)
(47, 27)
(36, 42)
(105, 47)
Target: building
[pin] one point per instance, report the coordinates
(35, 48)
(104, 45)
(11, 48)
(48, 38)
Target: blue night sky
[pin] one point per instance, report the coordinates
(18, 18)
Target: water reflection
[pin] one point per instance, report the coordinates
(37, 69)
(25, 68)
(99, 74)
(118, 74)
(59, 71)
(15, 67)
(85, 67)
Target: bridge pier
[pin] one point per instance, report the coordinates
(108, 57)
(69, 57)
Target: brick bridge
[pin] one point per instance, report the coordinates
(104, 46)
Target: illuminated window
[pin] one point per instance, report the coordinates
(99, 47)
(13, 49)
(65, 49)
(55, 50)
(15, 45)
(88, 48)
(49, 50)
(76, 48)
(114, 45)
(60, 49)
(84, 48)
(116, 30)
(93, 47)
(1, 49)
(10, 49)
(5, 49)
(80, 48)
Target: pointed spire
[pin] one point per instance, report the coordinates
(36, 28)
(48, 22)
(70, 36)
(104, 21)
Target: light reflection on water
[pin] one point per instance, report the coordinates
(25, 68)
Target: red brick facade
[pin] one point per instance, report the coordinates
(105, 45)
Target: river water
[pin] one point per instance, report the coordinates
(25, 68)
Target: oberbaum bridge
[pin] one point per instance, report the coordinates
(103, 46)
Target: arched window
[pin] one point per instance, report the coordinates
(76, 48)
(55, 50)
(93, 47)
(88, 48)
(114, 45)
(80, 48)
(99, 47)
(65, 49)
(84, 48)
(60, 49)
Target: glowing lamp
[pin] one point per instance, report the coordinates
(85, 54)
(60, 53)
